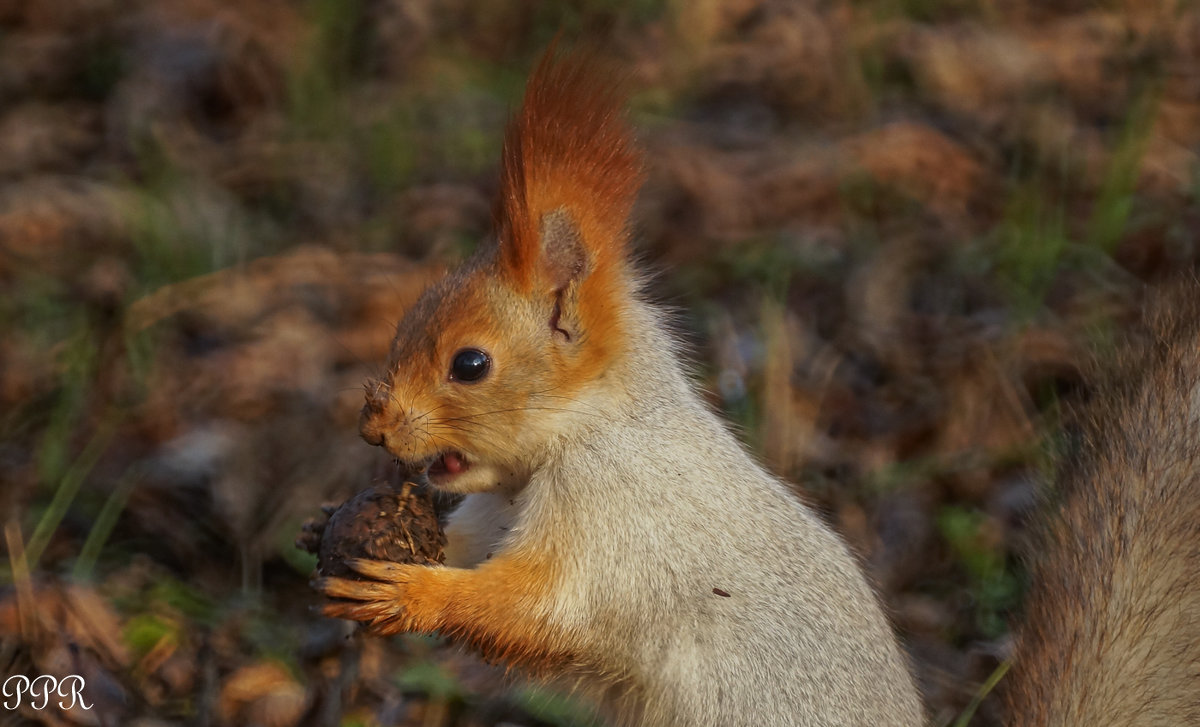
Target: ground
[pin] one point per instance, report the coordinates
(895, 234)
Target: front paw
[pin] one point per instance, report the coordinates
(379, 602)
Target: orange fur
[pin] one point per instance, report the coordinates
(498, 608)
(593, 473)
(569, 149)
(568, 157)
(568, 152)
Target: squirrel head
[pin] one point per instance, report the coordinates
(500, 356)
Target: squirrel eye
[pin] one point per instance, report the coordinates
(469, 364)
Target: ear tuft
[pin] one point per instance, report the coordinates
(569, 175)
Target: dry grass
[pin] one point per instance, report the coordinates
(896, 229)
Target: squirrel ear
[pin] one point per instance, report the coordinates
(568, 178)
(564, 258)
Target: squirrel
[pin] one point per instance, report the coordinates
(614, 531)
(615, 534)
(1111, 632)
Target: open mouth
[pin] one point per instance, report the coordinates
(448, 466)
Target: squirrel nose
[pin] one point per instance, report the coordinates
(368, 426)
(372, 437)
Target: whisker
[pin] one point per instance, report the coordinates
(449, 444)
(425, 438)
(574, 400)
(456, 428)
(441, 420)
(439, 406)
(469, 417)
(546, 393)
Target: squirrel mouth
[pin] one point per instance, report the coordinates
(448, 466)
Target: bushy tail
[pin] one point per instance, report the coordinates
(1112, 631)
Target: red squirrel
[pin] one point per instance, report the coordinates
(615, 533)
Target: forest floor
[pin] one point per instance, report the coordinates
(895, 233)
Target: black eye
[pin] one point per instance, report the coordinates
(469, 364)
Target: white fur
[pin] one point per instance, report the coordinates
(648, 503)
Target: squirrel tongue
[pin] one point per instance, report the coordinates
(453, 463)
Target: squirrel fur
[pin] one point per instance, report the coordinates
(1111, 633)
(615, 534)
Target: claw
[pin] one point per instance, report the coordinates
(347, 611)
(357, 590)
(380, 570)
(373, 613)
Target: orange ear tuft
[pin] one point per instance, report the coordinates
(568, 150)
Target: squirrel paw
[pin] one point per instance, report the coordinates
(378, 602)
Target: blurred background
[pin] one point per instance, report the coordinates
(894, 232)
